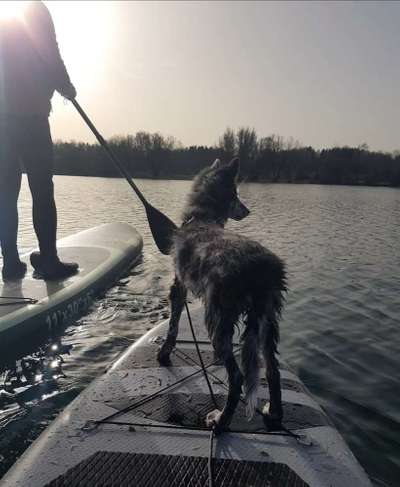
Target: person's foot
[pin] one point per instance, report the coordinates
(15, 269)
(52, 268)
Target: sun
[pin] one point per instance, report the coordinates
(9, 10)
(83, 30)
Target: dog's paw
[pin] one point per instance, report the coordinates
(163, 358)
(272, 422)
(215, 419)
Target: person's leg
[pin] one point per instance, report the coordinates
(10, 184)
(38, 161)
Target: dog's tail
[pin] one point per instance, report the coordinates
(250, 362)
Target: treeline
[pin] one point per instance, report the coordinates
(269, 159)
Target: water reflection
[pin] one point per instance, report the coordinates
(27, 381)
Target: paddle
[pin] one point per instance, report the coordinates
(162, 228)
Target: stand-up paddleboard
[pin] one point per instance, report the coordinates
(103, 253)
(142, 450)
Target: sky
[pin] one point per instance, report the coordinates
(325, 73)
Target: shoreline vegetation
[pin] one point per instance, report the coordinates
(270, 159)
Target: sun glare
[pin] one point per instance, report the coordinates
(83, 32)
(9, 9)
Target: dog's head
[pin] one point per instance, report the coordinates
(214, 194)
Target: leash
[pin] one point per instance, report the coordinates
(210, 459)
(210, 453)
(200, 357)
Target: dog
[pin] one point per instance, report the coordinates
(235, 278)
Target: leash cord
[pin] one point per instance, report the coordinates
(210, 453)
(210, 459)
(200, 357)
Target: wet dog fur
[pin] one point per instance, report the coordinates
(234, 277)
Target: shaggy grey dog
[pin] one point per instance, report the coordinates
(234, 277)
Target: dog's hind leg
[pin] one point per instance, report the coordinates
(177, 298)
(250, 361)
(221, 334)
(272, 412)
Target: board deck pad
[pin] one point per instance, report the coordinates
(114, 469)
(136, 403)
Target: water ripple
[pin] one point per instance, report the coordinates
(339, 328)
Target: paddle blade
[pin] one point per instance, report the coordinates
(162, 228)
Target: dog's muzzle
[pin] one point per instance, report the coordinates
(238, 211)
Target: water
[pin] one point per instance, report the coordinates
(340, 325)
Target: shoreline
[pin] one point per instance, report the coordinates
(184, 177)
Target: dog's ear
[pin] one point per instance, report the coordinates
(216, 164)
(234, 167)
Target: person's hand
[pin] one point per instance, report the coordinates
(69, 92)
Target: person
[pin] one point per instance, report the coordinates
(31, 69)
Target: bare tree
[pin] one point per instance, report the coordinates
(228, 143)
(291, 144)
(247, 144)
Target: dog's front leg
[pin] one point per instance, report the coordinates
(222, 419)
(222, 342)
(177, 297)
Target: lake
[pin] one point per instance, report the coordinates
(339, 330)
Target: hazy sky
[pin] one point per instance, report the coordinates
(325, 73)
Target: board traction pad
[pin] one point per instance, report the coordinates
(115, 469)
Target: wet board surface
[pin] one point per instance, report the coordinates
(141, 451)
(103, 253)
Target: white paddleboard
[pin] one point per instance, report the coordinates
(103, 253)
(142, 450)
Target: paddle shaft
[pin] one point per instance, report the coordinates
(109, 151)
(162, 228)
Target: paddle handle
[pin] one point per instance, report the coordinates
(110, 152)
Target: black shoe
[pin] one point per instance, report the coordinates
(13, 270)
(53, 268)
